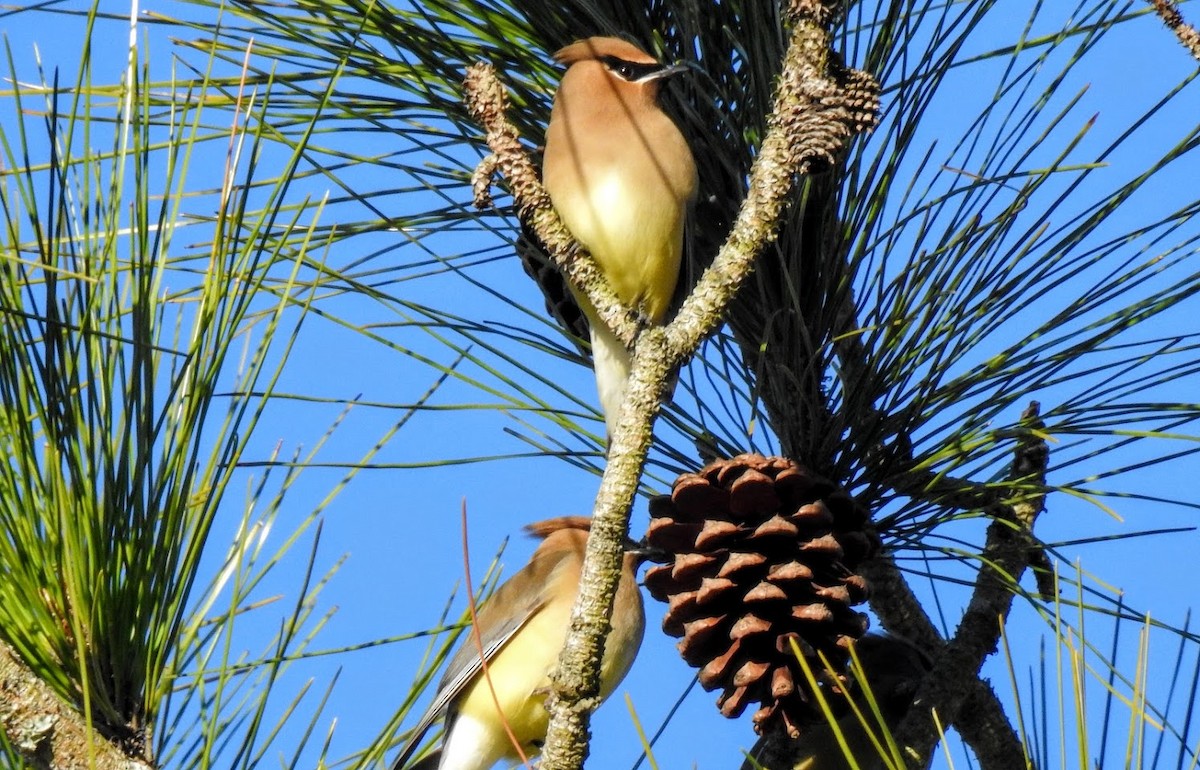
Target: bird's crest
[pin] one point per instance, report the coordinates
(546, 527)
(599, 48)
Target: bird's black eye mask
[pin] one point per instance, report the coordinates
(631, 71)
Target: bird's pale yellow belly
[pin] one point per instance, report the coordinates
(520, 674)
(635, 234)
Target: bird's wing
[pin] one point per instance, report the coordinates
(430, 761)
(496, 632)
(463, 668)
(560, 302)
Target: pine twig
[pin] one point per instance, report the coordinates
(1168, 11)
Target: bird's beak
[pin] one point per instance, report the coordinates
(670, 71)
(646, 552)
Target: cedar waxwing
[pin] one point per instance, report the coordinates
(522, 628)
(894, 668)
(621, 177)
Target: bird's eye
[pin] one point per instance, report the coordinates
(624, 69)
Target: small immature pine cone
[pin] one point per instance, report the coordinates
(765, 554)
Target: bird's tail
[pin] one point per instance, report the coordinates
(435, 710)
(610, 359)
(428, 762)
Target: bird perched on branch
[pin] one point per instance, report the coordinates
(522, 628)
(621, 177)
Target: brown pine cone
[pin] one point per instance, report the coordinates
(765, 554)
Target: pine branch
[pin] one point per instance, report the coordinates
(1006, 554)
(811, 120)
(47, 733)
(953, 689)
(982, 721)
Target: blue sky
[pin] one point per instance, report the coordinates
(397, 527)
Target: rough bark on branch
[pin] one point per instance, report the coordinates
(48, 734)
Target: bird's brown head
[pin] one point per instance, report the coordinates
(546, 527)
(575, 529)
(626, 65)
